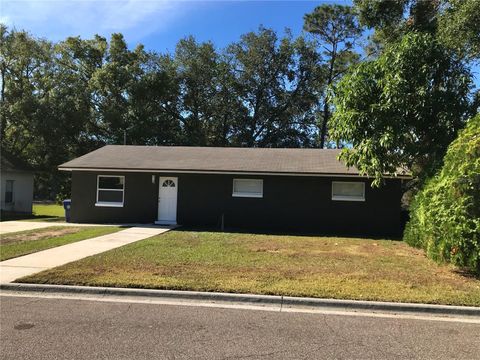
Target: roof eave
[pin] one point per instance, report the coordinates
(228, 172)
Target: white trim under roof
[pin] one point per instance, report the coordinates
(172, 171)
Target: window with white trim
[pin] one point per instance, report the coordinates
(110, 190)
(348, 191)
(248, 188)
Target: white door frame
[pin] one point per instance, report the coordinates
(170, 218)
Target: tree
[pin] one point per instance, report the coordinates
(402, 109)
(459, 27)
(228, 107)
(456, 23)
(445, 214)
(336, 29)
(154, 103)
(112, 85)
(27, 69)
(274, 83)
(23, 60)
(46, 108)
(208, 107)
(391, 19)
(196, 70)
(76, 62)
(61, 100)
(66, 117)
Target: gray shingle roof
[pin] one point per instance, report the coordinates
(212, 159)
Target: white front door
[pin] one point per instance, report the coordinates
(167, 200)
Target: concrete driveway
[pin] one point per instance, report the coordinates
(14, 226)
(30, 264)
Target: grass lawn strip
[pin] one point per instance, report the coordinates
(27, 242)
(341, 268)
(52, 210)
(40, 212)
(48, 212)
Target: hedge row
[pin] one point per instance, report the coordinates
(445, 214)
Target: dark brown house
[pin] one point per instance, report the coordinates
(301, 190)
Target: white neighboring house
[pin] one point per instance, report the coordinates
(16, 186)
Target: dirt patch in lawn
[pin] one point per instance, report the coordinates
(33, 235)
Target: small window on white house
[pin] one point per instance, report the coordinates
(348, 191)
(9, 192)
(110, 190)
(248, 188)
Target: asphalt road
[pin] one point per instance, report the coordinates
(39, 328)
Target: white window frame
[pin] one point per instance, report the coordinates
(110, 203)
(348, 198)
(247, 195)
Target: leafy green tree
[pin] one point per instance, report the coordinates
(391, 19)
(23, 62)
(208, 107)
(65, 115)
(459, 27)
(274, 81)
(112, 85)
(228, 107)
(456, 23)
(76, 62)
(336, 29)
(380, 14)
(196, 69)
(445, 214)
(26, 100)
(46, 109)
(402, 109)
(154, 104)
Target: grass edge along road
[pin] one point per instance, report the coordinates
(325, 267)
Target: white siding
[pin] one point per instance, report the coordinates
(22, 191)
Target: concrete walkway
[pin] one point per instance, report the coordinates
(30, 264)
(14, 226)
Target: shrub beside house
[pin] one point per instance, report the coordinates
(445, 214)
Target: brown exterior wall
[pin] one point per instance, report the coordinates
(290, 203)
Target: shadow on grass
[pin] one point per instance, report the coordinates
(287, 233)
(467, 273)
(11, 216)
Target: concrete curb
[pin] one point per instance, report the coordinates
(248, 299)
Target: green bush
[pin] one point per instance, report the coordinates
(445, 214)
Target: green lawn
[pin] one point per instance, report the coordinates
(40, 212)
(342, 268)
(27, 242)
(50, 210)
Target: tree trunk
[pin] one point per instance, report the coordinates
(323, 130)
(3, 120)
(326, 109)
